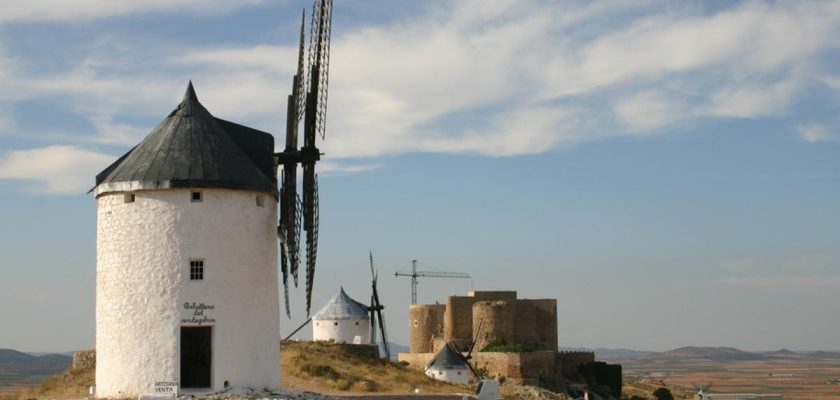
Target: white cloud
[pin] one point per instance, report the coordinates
(332, 167)
(816, 133)
(270, 59)
(73, 11)
(93, 93)
(506, 81)
(833, 81)
(116, 133)
(649, 110)
(805, 284)
(804, 273)
(520, 131)
(747, 39)
(753, 100)
(6, 118)
(741, 265)
(54, 169)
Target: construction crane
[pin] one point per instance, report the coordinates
(414, 274)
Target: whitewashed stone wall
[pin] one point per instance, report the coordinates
(342, 330)
(143, 285)
(456, 375)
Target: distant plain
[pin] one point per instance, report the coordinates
(796, 376)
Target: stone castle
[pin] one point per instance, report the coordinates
(485, 318)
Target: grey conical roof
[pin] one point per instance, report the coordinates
(341, 306)
(193, 149)
(447, 358)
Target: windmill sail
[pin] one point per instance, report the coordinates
(375, 309)
(308, 101)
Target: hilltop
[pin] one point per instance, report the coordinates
(14, 357)
(708, 353)
(323, 368)
(346, 370)
(19, 370)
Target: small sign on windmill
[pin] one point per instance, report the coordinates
(307, 102)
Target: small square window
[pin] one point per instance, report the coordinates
(196, 196)
(129, 197)
(335, 323)
(196, 270)
(259, 201)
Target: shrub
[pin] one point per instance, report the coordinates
(504, 346)
(364, 386)
(324, 371)
(343, 384)
(663, 394)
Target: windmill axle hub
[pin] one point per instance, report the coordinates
(297, 156)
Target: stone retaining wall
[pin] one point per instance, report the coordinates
(84, 359)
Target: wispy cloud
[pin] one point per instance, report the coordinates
(741, 265)
(787, 283)
(73, 11)
(509, 80)
(111, 132)
(757, 99)
(334, 168)
(647, 111)
(54, 169)
(804, 273)
(833, 81)
(816, 133)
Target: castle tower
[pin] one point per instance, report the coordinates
(186, 267)
(496, 322)
(342, 320)
(425, 324)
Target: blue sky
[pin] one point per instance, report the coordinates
(668, 171)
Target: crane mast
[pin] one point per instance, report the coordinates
(414, 274)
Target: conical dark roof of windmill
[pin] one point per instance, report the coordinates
(341, 306)
(193, 149)
(447, 358)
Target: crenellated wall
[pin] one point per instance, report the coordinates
(531, 321)
(569, 361)
(546, 322)
(501, 316)
(495, 295)
(521, 368)
(84, 359)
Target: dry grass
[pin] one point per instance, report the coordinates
(71, 383)
(334, 369)
(645, 388)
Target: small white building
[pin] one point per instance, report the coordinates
(186, 261)
(342, 320)
(450, 366)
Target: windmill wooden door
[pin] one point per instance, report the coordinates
(196, 356)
